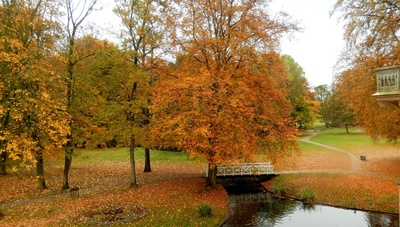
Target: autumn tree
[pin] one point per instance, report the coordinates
(371, 31)
(371, 26)
(356, 86)
(143, 23)
(304, 107)
(32, 114)
(225, 97)
(134, 91)
(100, 75)
(77, 12)
(338, 111)
(323, 94)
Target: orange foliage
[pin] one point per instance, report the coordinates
(221, 116)
(373, 41)
(357, 86)
(225, 98)
(32, 113)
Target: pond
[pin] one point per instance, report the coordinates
(251, 206)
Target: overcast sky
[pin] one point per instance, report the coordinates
(316, 49)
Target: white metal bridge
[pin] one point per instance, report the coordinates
(246, 169)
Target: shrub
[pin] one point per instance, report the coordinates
(205, 210)
(279, 190)
(306, 195)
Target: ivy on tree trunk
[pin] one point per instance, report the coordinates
(40, 171)
(67, 164)
(132, 161)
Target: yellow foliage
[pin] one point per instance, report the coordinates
(31, 108)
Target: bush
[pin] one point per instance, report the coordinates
(279, 190)
(205, 210)
(306, 195)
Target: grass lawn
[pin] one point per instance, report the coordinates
(356, 141)
(339, 138)
(170, 195)
(371, 187)
(344, 190)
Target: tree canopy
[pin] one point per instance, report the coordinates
(371, 26)
(225, 97)
(304, 105)
(32, 111)
(371, 31)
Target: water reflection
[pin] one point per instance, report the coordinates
(262, 209)
(247, 210)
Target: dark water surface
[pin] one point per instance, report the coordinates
(251, 206)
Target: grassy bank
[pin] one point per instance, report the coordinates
(170, 195)
(343, 180)
(343, 190)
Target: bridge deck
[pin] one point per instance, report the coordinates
(246, 169)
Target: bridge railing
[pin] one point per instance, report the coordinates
(246, 169)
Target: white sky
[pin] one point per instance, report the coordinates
(316, 49)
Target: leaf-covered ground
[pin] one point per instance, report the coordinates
(339, 177)
(170, 196)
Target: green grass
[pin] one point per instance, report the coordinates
(279, 190)
(338, 137)
(312, 148)
(205, 210)
(306, 195)
(122, 155)
(185, 217)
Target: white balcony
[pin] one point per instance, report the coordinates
(388, 86)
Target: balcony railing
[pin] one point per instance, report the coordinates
(387, 79)
(388, 86)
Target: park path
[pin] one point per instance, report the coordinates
(355, 163)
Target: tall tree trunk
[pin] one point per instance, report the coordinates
(347, 128)
(212, 175)
(3, 157)
(40, 171)
(3, 162)
(132, 161)
(147, 167)
(69, 150)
